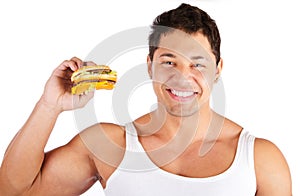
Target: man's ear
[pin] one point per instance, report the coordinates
(149, 63)
(219, 69)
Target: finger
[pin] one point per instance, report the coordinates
(89, 63)
(78, 61)
(68, 64)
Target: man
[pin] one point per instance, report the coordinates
(181, 148)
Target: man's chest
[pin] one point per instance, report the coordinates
(191, 163)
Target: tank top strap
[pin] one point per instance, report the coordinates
(135, 158)
(132, 141)
(246, 149)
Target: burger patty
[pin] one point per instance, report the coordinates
(91, 81)
(93, 72)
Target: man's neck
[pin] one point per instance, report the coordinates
(166, 126)
(170, 136)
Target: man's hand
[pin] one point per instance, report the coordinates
(57, 93)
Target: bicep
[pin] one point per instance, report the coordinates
(67, 170)
(272, 171)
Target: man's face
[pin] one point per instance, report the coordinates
(183, 72)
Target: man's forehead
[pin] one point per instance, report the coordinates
(195, 45)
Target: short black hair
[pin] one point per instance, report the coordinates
(189, 19)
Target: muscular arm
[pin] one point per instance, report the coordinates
(25, 154)
(272, 171)
(75, 167)
(67, 170)
(26, 169)
(24, 163)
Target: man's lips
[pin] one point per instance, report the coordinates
(181, 95)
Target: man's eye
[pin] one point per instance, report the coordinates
(198, 65)
(169, 63)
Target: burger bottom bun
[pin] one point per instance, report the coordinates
(86, 87)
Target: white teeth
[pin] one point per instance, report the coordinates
(182, 93)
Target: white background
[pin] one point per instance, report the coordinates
(260, 41)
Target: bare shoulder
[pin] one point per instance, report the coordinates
(272, 171)
(106, 145)
(113, 132)
(103, 136)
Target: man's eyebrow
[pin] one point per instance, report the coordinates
(197, 57)
(167, 55)
(171, 55)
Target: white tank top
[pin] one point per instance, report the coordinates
(137, 175)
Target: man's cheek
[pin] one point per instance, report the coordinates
(162, 74)
(206, 80)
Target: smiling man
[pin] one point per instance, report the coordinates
(159, 153)
(183, 72)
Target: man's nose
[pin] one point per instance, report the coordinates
(184, 70)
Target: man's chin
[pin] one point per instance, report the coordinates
(181, 112)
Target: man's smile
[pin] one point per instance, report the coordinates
(181, 95)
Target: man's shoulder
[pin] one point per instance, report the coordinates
(104, 134)
(266, 152)
(263, 146)
(271, 166)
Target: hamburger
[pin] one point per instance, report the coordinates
(90, 77)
